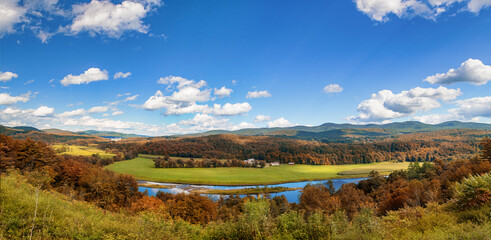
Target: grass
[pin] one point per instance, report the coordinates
(143, 169)
(59, 217)
(384, 168)
(81, 150)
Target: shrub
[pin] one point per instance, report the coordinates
(473, 191)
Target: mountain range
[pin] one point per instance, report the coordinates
(330, 132)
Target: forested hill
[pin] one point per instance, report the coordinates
(346, 132)
(399, 127)
(47, 136)
(422, 146)
(327, 132)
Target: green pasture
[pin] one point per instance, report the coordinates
(143, 169)
(81, 150)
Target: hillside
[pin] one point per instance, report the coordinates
(333, 132)
(50, 136)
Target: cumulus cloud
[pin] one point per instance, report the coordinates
(185, 97)
(43, 111)
(333, 88)
(475, 6)
(380, 10)
(229, 109)
(90, 75)
(104, 123)
(75, 113)
(205, 122)
(121, 75)
(7, 99)
(262, 118)
(242, 125)
(98, 109)
(223, 92)
(280, 122)
(7, 76)
(386, 105)
(104, 17)
(258, 94)
(473, 107)
(471, 71)
(11, 14)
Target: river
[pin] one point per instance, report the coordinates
(291, 196)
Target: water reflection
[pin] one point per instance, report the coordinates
(291, 196)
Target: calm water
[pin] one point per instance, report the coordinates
(291, 196)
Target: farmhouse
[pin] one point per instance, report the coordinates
(249, 161)
(275, 164)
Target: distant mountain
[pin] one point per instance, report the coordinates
(50, 136)
(27, 128)
(108, 134)
(349, 132)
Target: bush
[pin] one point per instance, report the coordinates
(473, 191)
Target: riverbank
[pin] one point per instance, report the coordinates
(143, 169)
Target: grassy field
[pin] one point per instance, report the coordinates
(81, 150)
(143, 169)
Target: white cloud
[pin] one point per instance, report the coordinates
(379, 10)
(131, 98)
(123, 94)
(262, 118)
(386, 105)
(116, 113)
(242, 125)
(29, 82)
(43, 111)
(11, 13)
(156, 101)
(223, 92)
(205, 122)
(476, 5)
(44, 36)
(333, 88)
(229, 109)
(280, 122)
(104, 17)
(181, 82)
(90, 75)
(104, 123)
(7, 76)
(258, 94)
(473, 107)
(98, 109)
(6, 99)
(75, 113)
(471, 71)
(121, 75)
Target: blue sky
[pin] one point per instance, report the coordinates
(192, 66)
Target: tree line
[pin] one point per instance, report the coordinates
(167, 162)
(420, 147)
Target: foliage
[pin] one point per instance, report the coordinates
(474, 191)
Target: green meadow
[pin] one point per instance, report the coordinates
(81, 150)
(143, 169)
